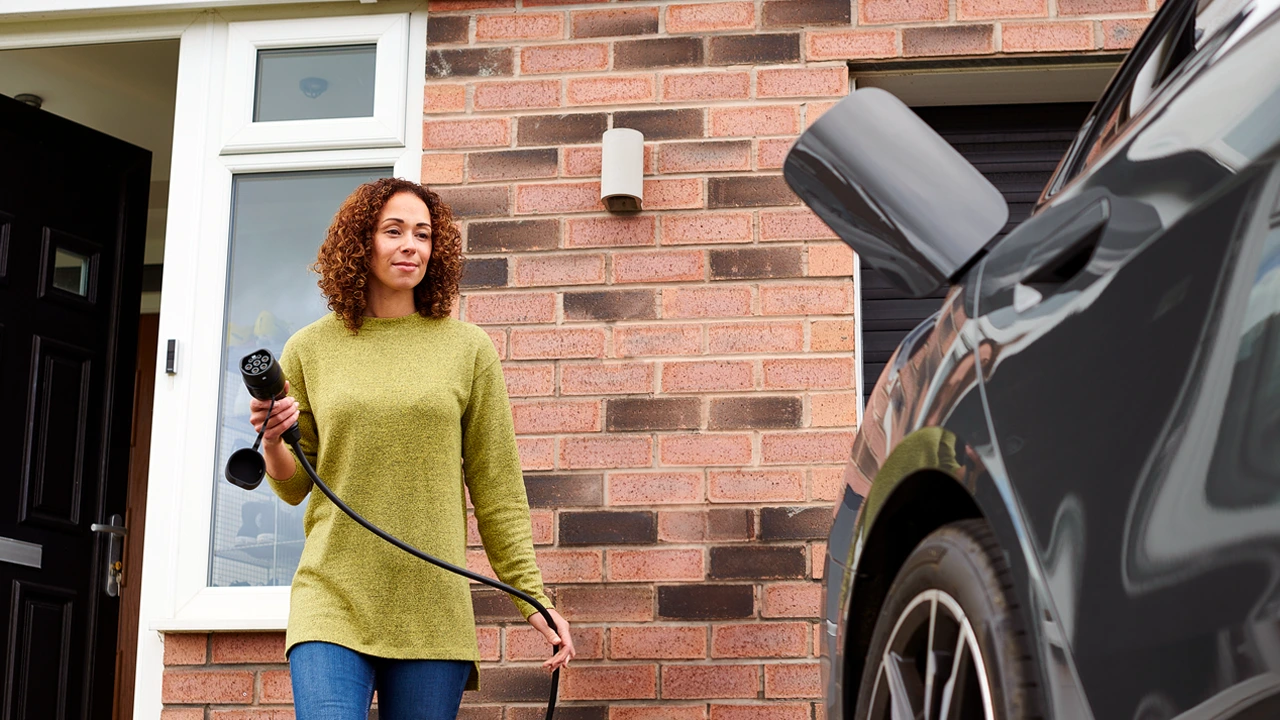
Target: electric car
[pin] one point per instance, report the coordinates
(1064, 497)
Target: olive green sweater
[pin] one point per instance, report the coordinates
(389, 418)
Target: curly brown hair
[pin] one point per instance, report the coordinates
(343, 260)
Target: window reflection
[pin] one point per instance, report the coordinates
(314, 83)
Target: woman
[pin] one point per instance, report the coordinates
(396, 400)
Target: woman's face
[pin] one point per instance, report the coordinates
(402, 242)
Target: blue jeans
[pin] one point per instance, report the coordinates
(331, 682)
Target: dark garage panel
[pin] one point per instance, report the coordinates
(1017, 148)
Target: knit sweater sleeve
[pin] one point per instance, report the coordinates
(294, 489)
(491, 465)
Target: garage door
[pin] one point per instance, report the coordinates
(1017, 148)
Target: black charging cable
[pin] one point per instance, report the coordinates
(246, 468)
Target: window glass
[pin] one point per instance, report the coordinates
(315, 82)
(278, 221)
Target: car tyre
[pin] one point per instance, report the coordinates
(951, 636)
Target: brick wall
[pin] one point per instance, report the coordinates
(682, 379)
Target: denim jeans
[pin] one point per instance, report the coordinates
(331, 682)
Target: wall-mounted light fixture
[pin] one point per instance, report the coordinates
(622, 170)
(34, 101)
(312, 87)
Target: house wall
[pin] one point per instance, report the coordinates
(682, 380)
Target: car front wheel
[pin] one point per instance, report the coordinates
(950, 642)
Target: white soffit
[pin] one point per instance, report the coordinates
(993, 87)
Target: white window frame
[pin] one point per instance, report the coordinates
(385, 128)
(206, 160)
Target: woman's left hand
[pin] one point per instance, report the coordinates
(566, 651)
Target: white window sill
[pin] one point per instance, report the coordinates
(224, 609)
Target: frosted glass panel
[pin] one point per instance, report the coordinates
(314, 83)
(278, 221)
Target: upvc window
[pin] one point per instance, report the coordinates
(306, 110)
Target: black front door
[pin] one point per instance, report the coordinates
(72, 228)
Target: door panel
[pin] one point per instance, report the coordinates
(71, 242)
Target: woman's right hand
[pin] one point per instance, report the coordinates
(283, 416)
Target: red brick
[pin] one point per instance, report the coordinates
(443, 169)
(805, 373)
(755, 338)
(656, 340)
(457, 134)
(276, 687)
(253, 714)
(705, 449)
(802, 82)
(1100, 7)
(663, 488)
(710, 17)
(478, 562)
(755, 485)
(830, 260)
(826, 484)
(817, 554)
(524, 26)
(558, 197)
(444, 98)
(542, 523)
(231, 648)
(851, 44)
(452, 5)
(805, 447)
(833, 410)
(754, 121)
(792, 225)
(569, 566)
(191, 687)
(609, 682)
(611, 90)
(511, 308)
(1046, 37)
(583, 57)
(617, 451)
(512, 94)
(874, 12)
(815, 110)
(700, 302)
(664, 711)
(557, 343)
(612, 604)
(772, 711)
(186, 648)
(806, 299)
(655, 565)
(831, 335)
(682, 526)
(1122, 34)
(549, 417)
(681, 194)
(537, 453)
(792, 600)
(584, 161)
(979, 9)
(186, 714)
(615, 23)
(707, 376)
(972, 39)
(760, 640)
(666, 642)
(710, 227)
(529, 380)
(792, 680)
(575, 269)
(690, 157)
(499, 339)
(712, 85)
(660, 266)
(612, 231)
(525, 643)
(606, 379)
(710, 681)
(773, 153)
(489, 640)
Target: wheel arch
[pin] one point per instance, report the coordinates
(918, 505)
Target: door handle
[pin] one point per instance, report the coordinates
(1068, 253)
(115, 531)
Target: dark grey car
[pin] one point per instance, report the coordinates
(1064, 498)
